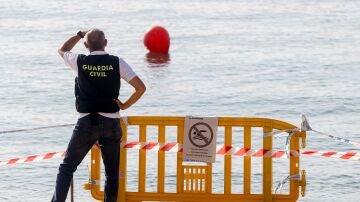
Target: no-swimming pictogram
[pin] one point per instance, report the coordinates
(201, 134)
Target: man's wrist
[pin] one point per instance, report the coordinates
(123, 106)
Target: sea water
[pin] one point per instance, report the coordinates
(258, 58)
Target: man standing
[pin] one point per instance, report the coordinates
(97, 88)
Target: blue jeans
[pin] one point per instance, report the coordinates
(88, 130)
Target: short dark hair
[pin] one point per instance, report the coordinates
(95, 42)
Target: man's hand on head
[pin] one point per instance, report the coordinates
(71, 42)
(83, 33)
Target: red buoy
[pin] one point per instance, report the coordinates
(157, 40)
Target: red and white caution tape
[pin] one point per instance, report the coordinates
(238, 151)
(333, 154)
(235, 151)
(220, 150)
(33, 158)
(155, 146)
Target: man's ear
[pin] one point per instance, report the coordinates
(105, 43)
(86, 45)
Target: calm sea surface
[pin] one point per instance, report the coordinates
(258, 58)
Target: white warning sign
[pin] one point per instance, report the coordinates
(200, 139)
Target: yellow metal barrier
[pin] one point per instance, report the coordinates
(194, 182)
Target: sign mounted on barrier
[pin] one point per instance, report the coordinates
(200, 139)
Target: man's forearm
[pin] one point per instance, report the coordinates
(133, 99)
(139, 91)
(70, 43)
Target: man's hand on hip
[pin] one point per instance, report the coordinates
(120, 104)
(139, 87)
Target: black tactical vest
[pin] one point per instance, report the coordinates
(97, 83)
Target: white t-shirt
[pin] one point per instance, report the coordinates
(126, 73)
